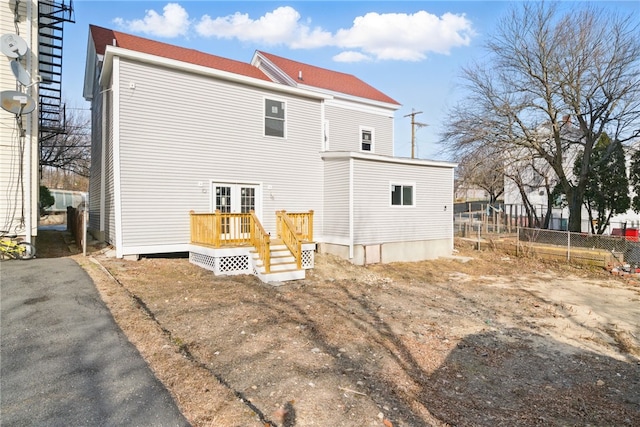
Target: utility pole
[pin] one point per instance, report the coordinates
(413, 130)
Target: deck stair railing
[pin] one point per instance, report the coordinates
(220, 229)
(289, 236)
(261, 240)
(303, 224)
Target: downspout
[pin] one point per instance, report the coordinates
(351, 232)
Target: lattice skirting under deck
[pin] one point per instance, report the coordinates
(222, 265)
(238, 260)
(307, 259)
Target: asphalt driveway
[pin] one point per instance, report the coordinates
(63, 359)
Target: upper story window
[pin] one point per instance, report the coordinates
(366, 139)
(402, 195)
(274, 118)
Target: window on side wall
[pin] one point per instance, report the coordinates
(402, 194)
(366, 139)
(274, 120)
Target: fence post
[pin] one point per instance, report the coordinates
(517, 239)
(568, 246)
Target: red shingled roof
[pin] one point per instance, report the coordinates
(103, 37)
(312, 76)
(328, 79)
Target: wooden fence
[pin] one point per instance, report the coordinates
(77, 225)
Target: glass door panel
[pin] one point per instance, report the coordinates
(223, 203)
(247, 204)
(235, 198)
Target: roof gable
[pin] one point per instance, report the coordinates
(103, 37)
(322, 78)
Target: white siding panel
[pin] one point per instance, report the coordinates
(109, 211)
(12, 149)
(95, 179)
(179, 130)
(345, 130)
(376, 221)
(336, 198)
(10, 199)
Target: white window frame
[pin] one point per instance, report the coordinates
(402, 185)
(238, 183)
(373, 138)
(265, 117)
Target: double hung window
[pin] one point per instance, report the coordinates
(366, 139)
(274, 120)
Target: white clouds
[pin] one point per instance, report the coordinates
(282, 26)
(374, 36)
(173, 22)
(351, 56)
(406, 37)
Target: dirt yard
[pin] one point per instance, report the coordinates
(495, 341)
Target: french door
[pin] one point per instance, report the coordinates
(235, 198)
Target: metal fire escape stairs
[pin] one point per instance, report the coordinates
(52, 14)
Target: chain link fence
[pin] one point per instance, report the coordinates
(471, 219)
(580, 246)
(493, 218)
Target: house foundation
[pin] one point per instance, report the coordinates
(384, 253)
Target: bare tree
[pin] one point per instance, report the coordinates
(552, 84)
(482, 169)
(69, 151)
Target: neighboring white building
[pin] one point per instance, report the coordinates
(36, 75)
(19, 132)
(534, 179)
(176, 130)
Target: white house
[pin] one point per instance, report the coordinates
(177, 130)
(19, 130)
(30, 81)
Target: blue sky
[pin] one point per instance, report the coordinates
(411, 50)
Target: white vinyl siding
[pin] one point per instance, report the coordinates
(336, 198)
(178, 130)
(376, 220)
(347, 125)
(95, 181)
(15, 215)
(110, 196)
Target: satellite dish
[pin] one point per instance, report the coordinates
(21, 74)
(17, 102)
(13, 46)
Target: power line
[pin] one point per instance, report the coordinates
(413, 130)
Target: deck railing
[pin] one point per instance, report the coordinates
(219, 229)
(302, 222)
